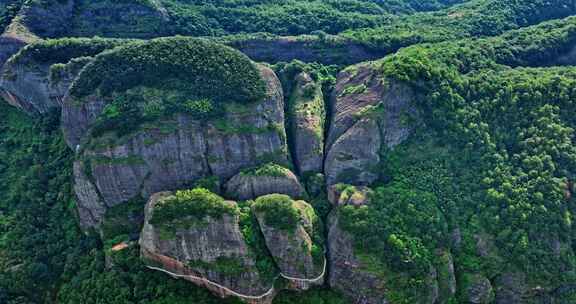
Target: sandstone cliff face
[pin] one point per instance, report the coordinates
(26, 84)
(346, 270)
(307, 117)
(296, 252)
(215, 251)
(37, 78)
(346, 274)
(369, 114)
(327, 50)
(178, 152)
(250, 185)
(118, 19)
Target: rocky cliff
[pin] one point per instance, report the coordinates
(327, 49)
(198, 236)
(307, 124)
(210, 248)
(369, 115)
(37, 78)
(179, 148)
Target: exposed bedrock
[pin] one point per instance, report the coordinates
(209, 251)
(306, 124)
(33, 22)
(360, 276)
(266, 179)
(177, 152)
(327, 50)
(37, 78)
(369, 114)
(297, 249)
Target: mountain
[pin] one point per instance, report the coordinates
(250, 151)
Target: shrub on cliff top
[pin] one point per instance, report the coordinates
(62, 50)
(279, 211)
(186, 207)
(269, 169)
(203, 68)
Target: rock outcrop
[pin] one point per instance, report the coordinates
(369, 114)
(328, 49)
(212, 254)
(37, 78)
(306, 124)
(176, 151)
(346, 270)
(298, 249)
(267, 179)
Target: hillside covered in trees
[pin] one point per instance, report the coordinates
(256, 151)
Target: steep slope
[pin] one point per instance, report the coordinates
(179, 124)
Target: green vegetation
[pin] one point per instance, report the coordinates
(496, 161)
(204, 69)
(8, 10)
(472, 19)
(146, 81)
(279, 211)
(268, 169)
(224, 265)
(63, 50)
(255, 240)
(187, 208)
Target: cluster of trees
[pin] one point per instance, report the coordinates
(497, 160)
(472, 19)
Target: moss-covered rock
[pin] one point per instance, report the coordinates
(476, 289)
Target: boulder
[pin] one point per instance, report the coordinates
(306, 123)
(369, 115)
(267, 179)
(207, 249)
(297, 248)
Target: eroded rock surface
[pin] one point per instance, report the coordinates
(369, 114)
(267, 179)
(298, 251)
(36, 81)
(307, 119)
(177, 152)
(214, 251)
